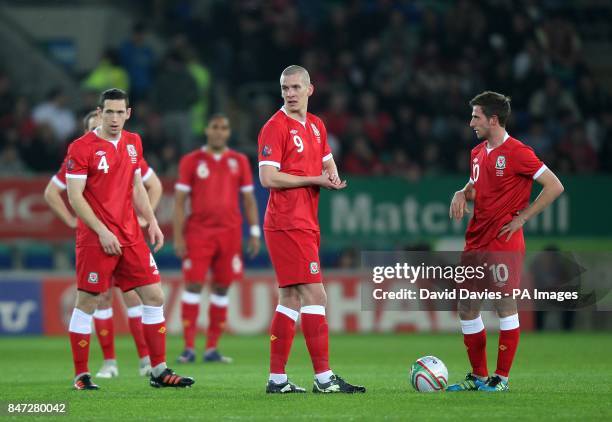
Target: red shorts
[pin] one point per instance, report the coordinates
(295, 256)
(95, 269)
(222, 253)
(502, 261)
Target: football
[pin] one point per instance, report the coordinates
(428, 374)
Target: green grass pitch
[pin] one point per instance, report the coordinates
(555, 376)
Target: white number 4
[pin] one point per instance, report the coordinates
(103, 165)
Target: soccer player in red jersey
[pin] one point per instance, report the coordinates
(502, 173)
(103, 316)
(295, 161)
(213, 178)
(105, 190)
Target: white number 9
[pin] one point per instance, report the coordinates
(298, 143)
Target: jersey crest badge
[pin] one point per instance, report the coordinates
(232, 164)
(314, 267)
(266, 151)
(500, 164)
(132, 153)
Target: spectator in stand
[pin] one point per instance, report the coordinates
(361, 161)
(578, 148)
(138, 59)
(107, 74)
(55, 113)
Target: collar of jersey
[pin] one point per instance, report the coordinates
(293, 118)
(217, 157)
(506, 136)
(113, 141)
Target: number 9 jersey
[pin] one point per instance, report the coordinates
(297, 148)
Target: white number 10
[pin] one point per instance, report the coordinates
(298, 143)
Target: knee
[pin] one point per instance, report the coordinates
(193, 287)
(152, 295)
(219, 289)
(131, 299)
(86, 302)
(105, 299)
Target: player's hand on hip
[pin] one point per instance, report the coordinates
(110, 243)
(253, 246)
(179, 246)
(156, 236)
(72, 222)
(513, 226)
(458, 206)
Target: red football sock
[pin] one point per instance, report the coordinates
(509, 334)
(282, 331)
(190, 309)
(316, 334)
(217, 316)
(80, 338)
(136, 329)
(475, 340)
(105, 330)
(80, 352)
(154, 328)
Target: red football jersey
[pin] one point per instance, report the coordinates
(59, 178)
(214, 182)
(503, 178)
(299, 149)
(109, 169)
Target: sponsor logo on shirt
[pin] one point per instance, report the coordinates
(266, 151)
(93, 278)
(314, 267)
(132, 153)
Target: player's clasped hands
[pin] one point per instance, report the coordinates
(331, 181)
(110, 243)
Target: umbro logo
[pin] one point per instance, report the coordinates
(293, 131)
(475, 160)
(100, 153)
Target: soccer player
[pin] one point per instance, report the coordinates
(213, 178)
(105, 190)
(103, 316)
(295, 161)
(502, 173)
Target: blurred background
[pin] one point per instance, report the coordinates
(392, 84)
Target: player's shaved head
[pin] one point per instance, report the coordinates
(493, 104)
(295, 69)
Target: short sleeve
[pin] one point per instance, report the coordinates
(77, 162)
(270, 145)
(185, 178)
(59, 178)
(246, 176)
(145, 170)
(326, 152)
(526, 163)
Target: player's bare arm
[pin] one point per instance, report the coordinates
(154, 192)
(252, 216)
(143, 207)
(271, 177)
(57, 204)
(551, 189)
(178, 222)
(108, 240)
(458, 206)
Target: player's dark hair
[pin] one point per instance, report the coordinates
(493, 104)
(114, 94)
(88, 116)
(216, 116)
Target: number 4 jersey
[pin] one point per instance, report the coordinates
(297, 148)
(108, 167)
(503, 177)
